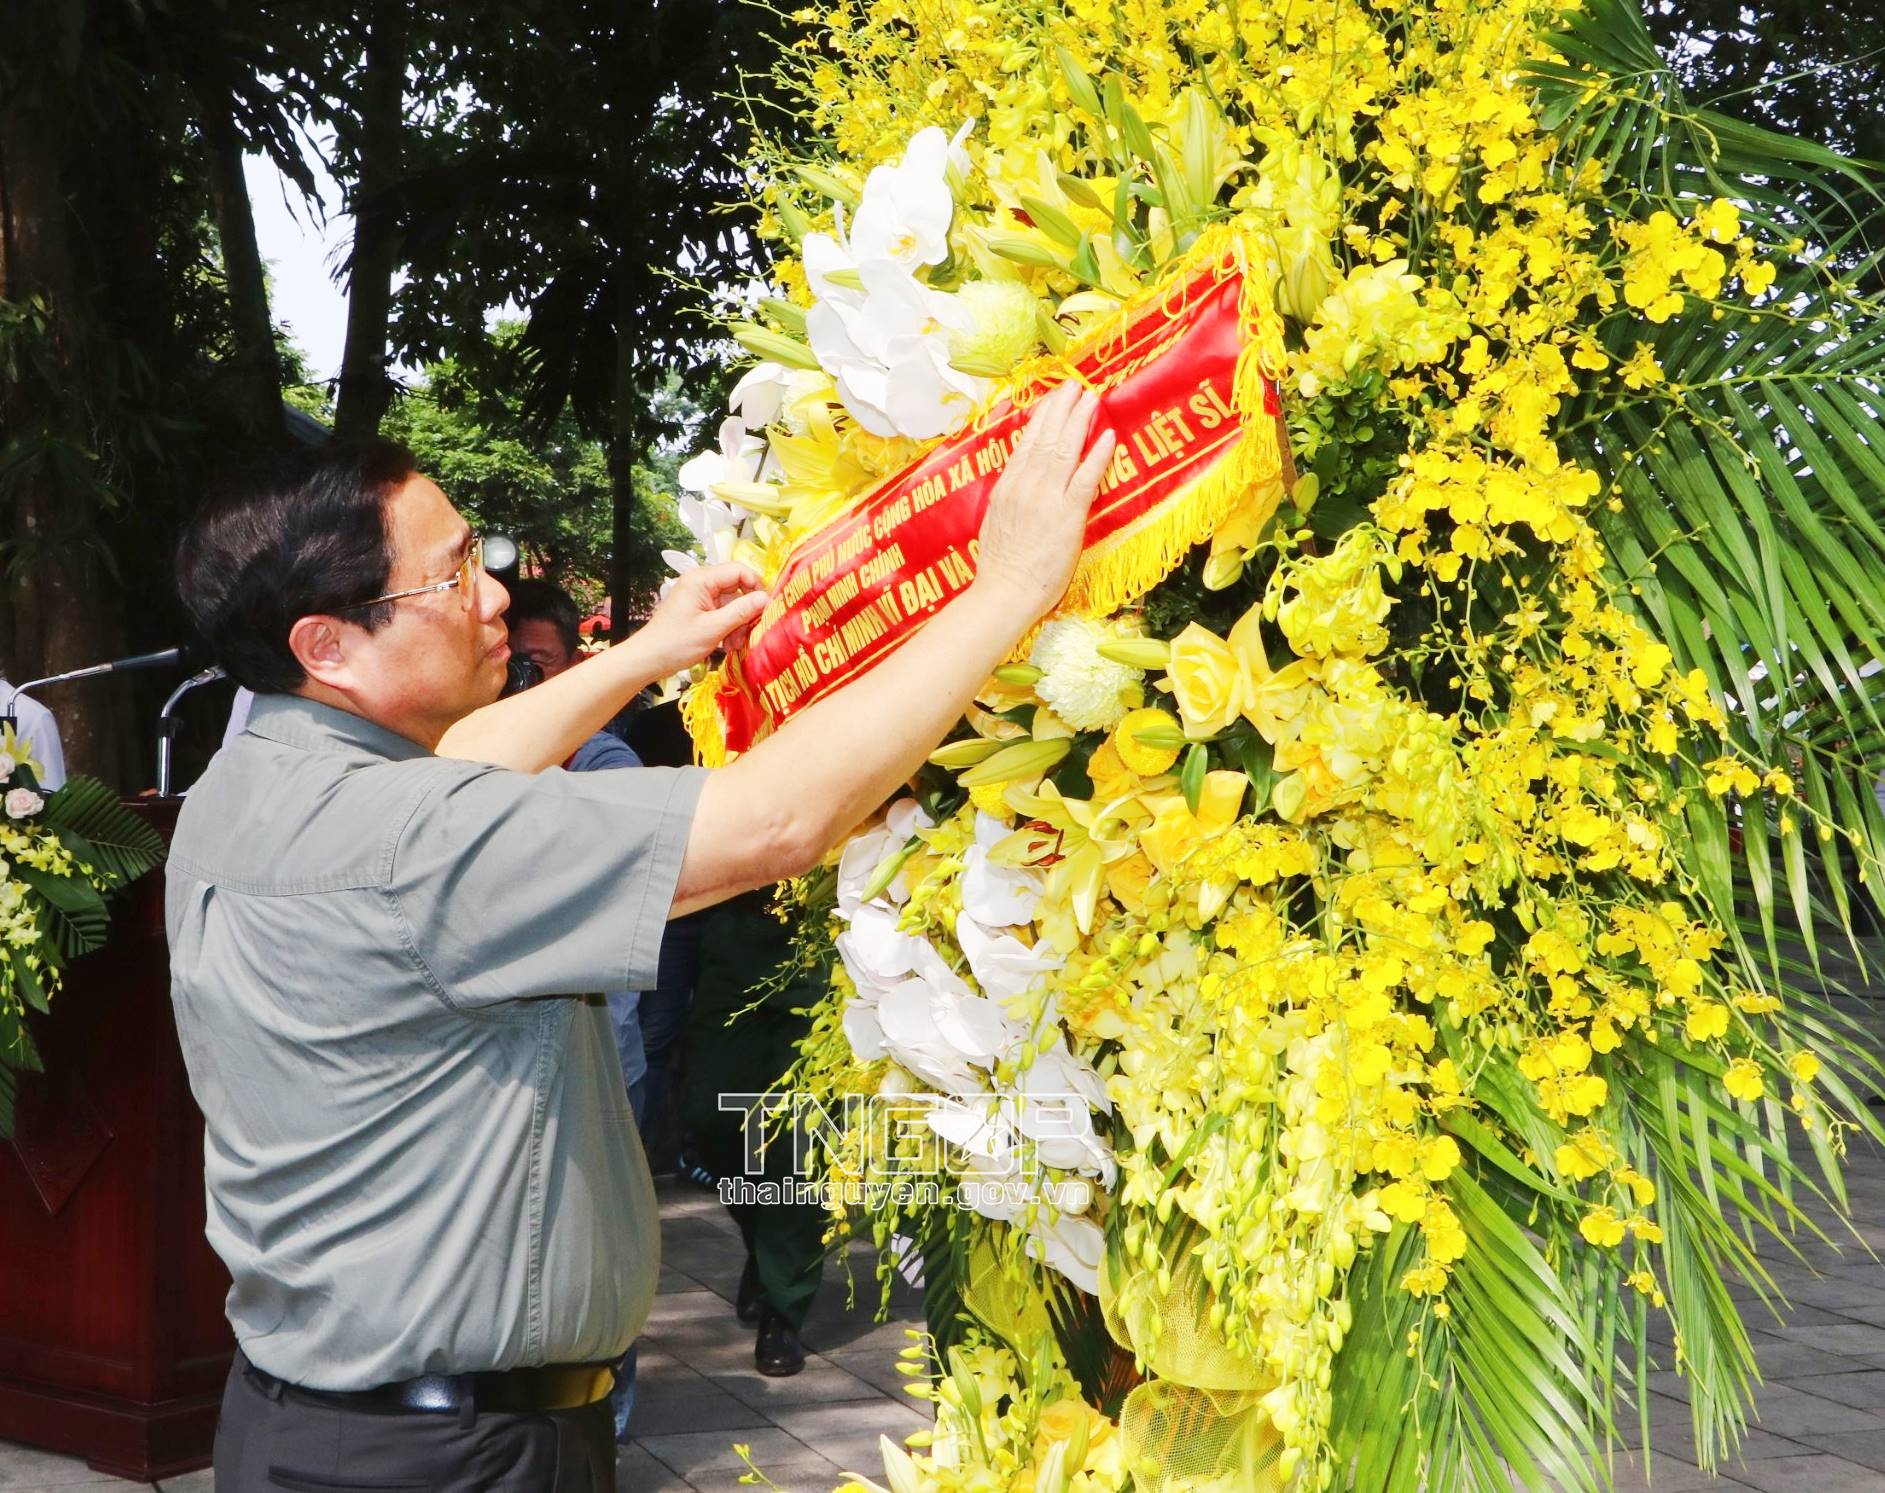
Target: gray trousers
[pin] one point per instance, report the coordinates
(279, 1438)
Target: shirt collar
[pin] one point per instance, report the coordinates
(298, 722)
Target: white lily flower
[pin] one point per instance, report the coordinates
(905, 209)
(1002, 965)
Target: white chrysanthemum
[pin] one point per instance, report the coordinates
(1087, 691)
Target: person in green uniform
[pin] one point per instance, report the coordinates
(745, 959)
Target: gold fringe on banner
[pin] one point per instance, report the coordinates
(700, 713)
(1124, 566)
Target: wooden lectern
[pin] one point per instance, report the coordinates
(113, 1344)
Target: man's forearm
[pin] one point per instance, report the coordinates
(848, 753)
(542, 726)
(794, 795)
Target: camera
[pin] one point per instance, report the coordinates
(520, 674)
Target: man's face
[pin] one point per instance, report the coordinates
(444, 654)
(535, 639)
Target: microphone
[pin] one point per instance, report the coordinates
(182, 656)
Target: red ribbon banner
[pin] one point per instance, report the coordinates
(859, 587)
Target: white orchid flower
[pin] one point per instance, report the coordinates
(882, 334)
(714, 525)
(1002, 965)
(1056, 1070)
(974, 1127)
(905, 211)
(859, 864)
(738, 459)
(1073, 1245)
(996, 896)
(875, 952)
(863, 1032)
(824, 256)
(756, 398)
(857, 868)
(975, 1027)
(957, 157)
(907, 1015)
(925, 395)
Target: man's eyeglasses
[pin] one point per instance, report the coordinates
(465, 579)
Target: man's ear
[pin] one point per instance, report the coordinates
(319, 648)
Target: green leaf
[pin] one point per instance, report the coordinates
(1191, 775)
(72, 912)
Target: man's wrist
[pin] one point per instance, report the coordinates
(1020, 599)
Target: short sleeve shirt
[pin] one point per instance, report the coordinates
(419, 1154)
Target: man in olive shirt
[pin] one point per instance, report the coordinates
(384, 904)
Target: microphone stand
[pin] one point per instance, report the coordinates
(167, 724)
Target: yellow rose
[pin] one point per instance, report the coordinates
(1205, 678)
(1175, 829)
(1220, 798)
(1127, 880)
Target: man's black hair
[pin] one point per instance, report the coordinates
(300, 535)
(545, 601)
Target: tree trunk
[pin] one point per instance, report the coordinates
(365, 386)
(255, 370)
(624, 448)
(637, 47)
(59, 620)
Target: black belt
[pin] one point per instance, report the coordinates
(551, 1387)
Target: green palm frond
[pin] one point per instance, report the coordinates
(1748, 519)
(98, 829)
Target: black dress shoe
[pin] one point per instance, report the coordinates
(746, 1299)
(777, 1354)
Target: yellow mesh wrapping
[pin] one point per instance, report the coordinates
(1172, 1334)
(1183, 1440)
(1198, 1426)
(1012, 1311)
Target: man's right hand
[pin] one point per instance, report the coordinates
(1036, 518)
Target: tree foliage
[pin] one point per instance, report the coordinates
(547, 486)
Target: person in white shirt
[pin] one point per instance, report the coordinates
(34, 723)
